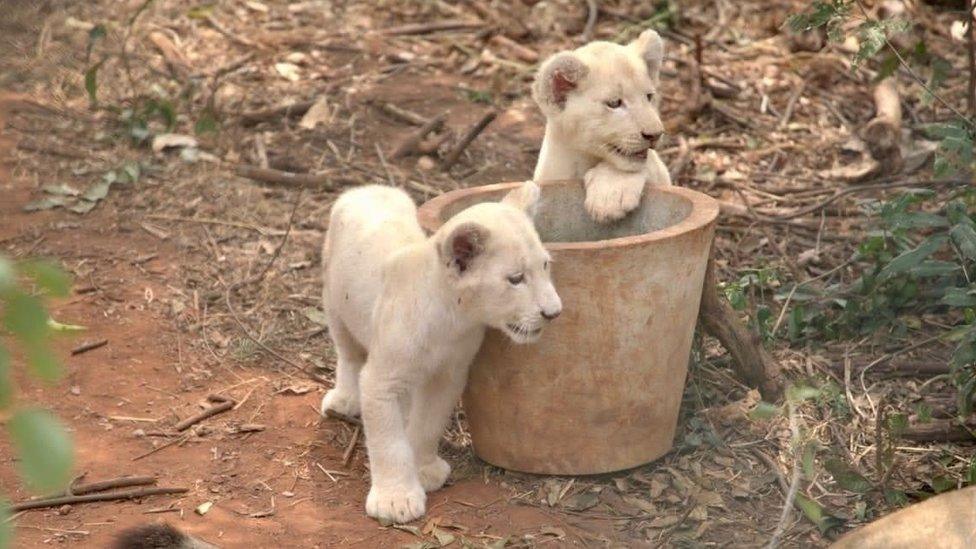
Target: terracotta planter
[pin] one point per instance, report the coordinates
(601, 390)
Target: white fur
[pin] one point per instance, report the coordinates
(407, 314)
(589, 140)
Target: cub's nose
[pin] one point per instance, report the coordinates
(651, 138)
(550, 315)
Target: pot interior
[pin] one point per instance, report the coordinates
(561, 216)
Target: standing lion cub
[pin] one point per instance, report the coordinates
(602, 122)
(407, 314)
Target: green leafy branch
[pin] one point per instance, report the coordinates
(42, 444)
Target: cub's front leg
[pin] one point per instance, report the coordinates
(429, 414)
(610, 193)
(395, 492)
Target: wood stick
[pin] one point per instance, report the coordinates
(288, 179)
(222, 404)
(91, 498)
(102, 485)
(402, 114)
(452, 157)
(347, 455)
(751, 361)
(296, 108)
(91, 345)
(895, 368)
(524, 53)
(883, 133)
(178, 64)
(434, 26)
(412, 142)
(343, 417)
(947, 430)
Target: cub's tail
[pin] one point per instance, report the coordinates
(158, 536)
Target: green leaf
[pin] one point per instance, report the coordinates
(206, 123)
(43, 361)
(764, 410)
(48, 276)
(44, 449)
(25, 317)
(971, 472)
(897, 423)
(8, 276)
(964, 236)
(905, 261)
(800, 393)
(6, 384)
(895, 497)
(98, 191)
(91, 82)
(59, 327)
(809, 454)
(933, 268)
(942, 483)
(959, 297)
(200, 12)
(846, 477)
(816, 514)
(6, 526)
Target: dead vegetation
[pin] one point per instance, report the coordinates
(432, 96)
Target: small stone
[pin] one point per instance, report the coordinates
(426, 164)
(64, 510)
(75, 390)
(288, 494)
(139, 433)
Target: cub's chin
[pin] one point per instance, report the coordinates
(521, 334)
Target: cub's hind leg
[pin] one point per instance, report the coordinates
(344, 398)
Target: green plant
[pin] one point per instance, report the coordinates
(43, 446)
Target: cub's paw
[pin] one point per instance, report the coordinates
(340, 402)
(434, 474)
(396, 503)
(611, 194)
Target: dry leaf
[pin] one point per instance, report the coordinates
(288, 71)
(318, 113)
(664, 521)
(559, 533)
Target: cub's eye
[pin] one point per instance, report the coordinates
(516, 279)
(650, 96)
(614, 104)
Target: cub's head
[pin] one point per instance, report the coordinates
(498, 267)
(603, 97)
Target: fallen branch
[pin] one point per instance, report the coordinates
(103, 485)
(452, 157)
(949, 430)
(347, 455)
(297, 108)
(883, 133)
(221, 404)
(898, 368)
(413, 141)
(434, 26)
(403, 114)
(288, 179)
(750, 360)
(91, 498)
(592, 11)
(91, 345)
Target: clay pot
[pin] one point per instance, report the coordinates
(601, 390)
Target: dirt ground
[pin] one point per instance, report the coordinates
(204, 282)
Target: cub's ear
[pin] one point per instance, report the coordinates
(650, 48)
(525, 198)
(465, 243)
(556, 78)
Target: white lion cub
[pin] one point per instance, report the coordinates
(602, 122)
(410, 312)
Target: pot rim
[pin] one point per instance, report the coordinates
(704, 211)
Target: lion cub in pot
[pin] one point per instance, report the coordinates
(602, 122)
(407, 314)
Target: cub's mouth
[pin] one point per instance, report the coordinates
(522, 334)
(630, 155)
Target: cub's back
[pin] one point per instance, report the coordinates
(367, 225)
